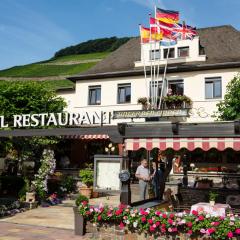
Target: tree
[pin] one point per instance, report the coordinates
(27, 97)
(229, 108)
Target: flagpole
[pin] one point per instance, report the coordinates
(164, 76)
(144, 65)
(151, 82)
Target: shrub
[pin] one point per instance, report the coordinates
(80, 199)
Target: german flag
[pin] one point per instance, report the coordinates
(167, 16)
(145, 34)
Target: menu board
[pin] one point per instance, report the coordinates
(106, 172)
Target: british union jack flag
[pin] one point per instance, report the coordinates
(183, 32)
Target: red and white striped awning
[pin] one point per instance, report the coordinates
(178, 143)
(88, 136)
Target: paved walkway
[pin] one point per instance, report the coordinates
(11, 231)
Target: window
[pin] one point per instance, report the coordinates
(177, 87)
(94, 95)
(154, 54)
(124, 93)
(171, 53)
(156, 84)
(213, 88)
(183, 52)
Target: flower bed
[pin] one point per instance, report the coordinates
(157, 223)
(11, 209)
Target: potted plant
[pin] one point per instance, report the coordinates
(86, 177)
(212, 198)
(144, 102)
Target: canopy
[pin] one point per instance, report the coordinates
(177, 143)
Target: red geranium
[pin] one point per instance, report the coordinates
(201, 218)
(150, 221)
(152, 229)
(164, 215)
(143, 219)
(194, 212)
(189, 224)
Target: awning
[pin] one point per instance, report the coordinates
(177, 143)
(88, 136)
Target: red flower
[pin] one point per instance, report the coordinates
(163, 230)
(150, 221)
(84, 203)
(157, 224)
(230, 234)
(88, 212)
(152, 229)
(163, 225)
(237, 231)
(190, 232)
(171, 215)
(99, 218)
(215, 223)
(201, 218)
(170, 221)
(211, 230)
(143, 219)
(121, 225)
(164, 215)
(189, 224)
(194, 212)
(118, 212)
(157, 213)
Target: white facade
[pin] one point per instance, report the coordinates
(195, 85)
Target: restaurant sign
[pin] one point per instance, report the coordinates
(56, 119)
(151, 113)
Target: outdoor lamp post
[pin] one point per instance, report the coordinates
(110, 148)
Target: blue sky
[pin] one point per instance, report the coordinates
(32, 30)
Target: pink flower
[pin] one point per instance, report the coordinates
(157, 213)
(215, 223)
(190, 232)
(201, 218)
(189, 224)
(150, 221)
(152, 229)
(143, 219)
(202, 231)
(210, 231)
(170, 230)
(174, 229)
(230, 234)
(125, 217)
(170, 221)
(237, 231)
(121, 225)
(194, 212)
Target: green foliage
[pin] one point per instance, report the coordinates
(93, 46)
(80, 199)
(45, 70)
(28, 97)
(229, 108)
(68, 184)
(213, 196)
(87, 175)
(23, 190)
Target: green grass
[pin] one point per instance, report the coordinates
(59, 84)
(42, 70)
(79, 57)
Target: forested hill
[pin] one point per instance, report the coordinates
(93, 46)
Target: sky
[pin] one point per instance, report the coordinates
(33, 30)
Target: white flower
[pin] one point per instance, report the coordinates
(135, 224)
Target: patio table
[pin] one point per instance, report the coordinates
(218, 210)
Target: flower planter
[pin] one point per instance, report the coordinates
(212, 203)
(95, 194)
(86, 191)
(79, 223)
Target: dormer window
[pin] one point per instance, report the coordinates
(183, 52)
(171, 53)
(154, 54)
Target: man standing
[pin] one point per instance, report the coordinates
(142, 174)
